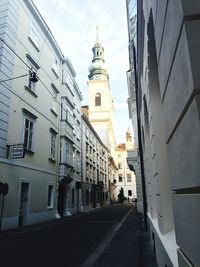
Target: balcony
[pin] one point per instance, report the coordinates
(66, 129)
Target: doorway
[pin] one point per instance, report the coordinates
(23, 204)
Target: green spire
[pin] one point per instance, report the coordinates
(98, 69)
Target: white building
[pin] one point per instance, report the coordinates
(95, 167)
(69, 193)
(168, 112)
(133, 156)
(126, 178)
(29, 114)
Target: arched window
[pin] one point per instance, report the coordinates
(98, 99)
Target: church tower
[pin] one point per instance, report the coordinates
(129, 142)
(100, 98)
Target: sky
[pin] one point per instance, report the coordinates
(73, 24)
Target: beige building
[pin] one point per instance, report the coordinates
(101, 109)
(95, 168)
(100, 97)
(126, 177)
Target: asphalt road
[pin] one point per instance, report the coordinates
(65, 243)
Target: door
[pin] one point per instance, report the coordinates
(23, 204)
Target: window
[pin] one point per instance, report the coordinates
(73, 157)
(69, 115)
(78, 130)
(31, 83)
(34, 35)
(119, 165)
(130, 193)
(53, 146)
(68, 80)
(87, 151)
(55, 92)
(76, 103)
(50, 196)
(129, 178)
(119, 156)
(55, 65)
(69, 154)
(120, 178)
(86, 132)
(62, 111)
(32, 77)
(28, 133)
(72, 196)
(87, 173)
(98, 99)
(61, 151)
(78, 161)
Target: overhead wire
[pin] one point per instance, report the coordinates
(10, 79)
(51, 19)
(23, 68)
(39, 53)
(14, 52)
(61, 106)
(28, 103)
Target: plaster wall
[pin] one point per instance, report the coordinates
(176, 25)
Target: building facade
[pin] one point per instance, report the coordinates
(31, 71)
(168, 111)
(95, 168)
(133, 156)
(69, 191)
(100, 97)
(126, 178)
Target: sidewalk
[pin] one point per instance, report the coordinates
(129, 247)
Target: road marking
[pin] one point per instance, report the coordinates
(104, 244)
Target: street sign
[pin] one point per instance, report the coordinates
(17, 151)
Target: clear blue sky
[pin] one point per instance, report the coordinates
(73, 23)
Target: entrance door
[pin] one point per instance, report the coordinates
(62, 196)
(23, 205)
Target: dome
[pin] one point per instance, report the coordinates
(98, 70)
(128, 133)
(98, 65)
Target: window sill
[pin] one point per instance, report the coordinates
(28, 151)
(35, 46)
(54, 113)
(30, 91)
(52, 160)
(68, 123)
(55, 73)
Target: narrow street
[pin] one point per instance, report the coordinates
(72, 241)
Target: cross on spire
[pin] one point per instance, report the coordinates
(97, 34)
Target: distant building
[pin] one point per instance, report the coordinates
(95, 168)
(169, 124)
(126, 177)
